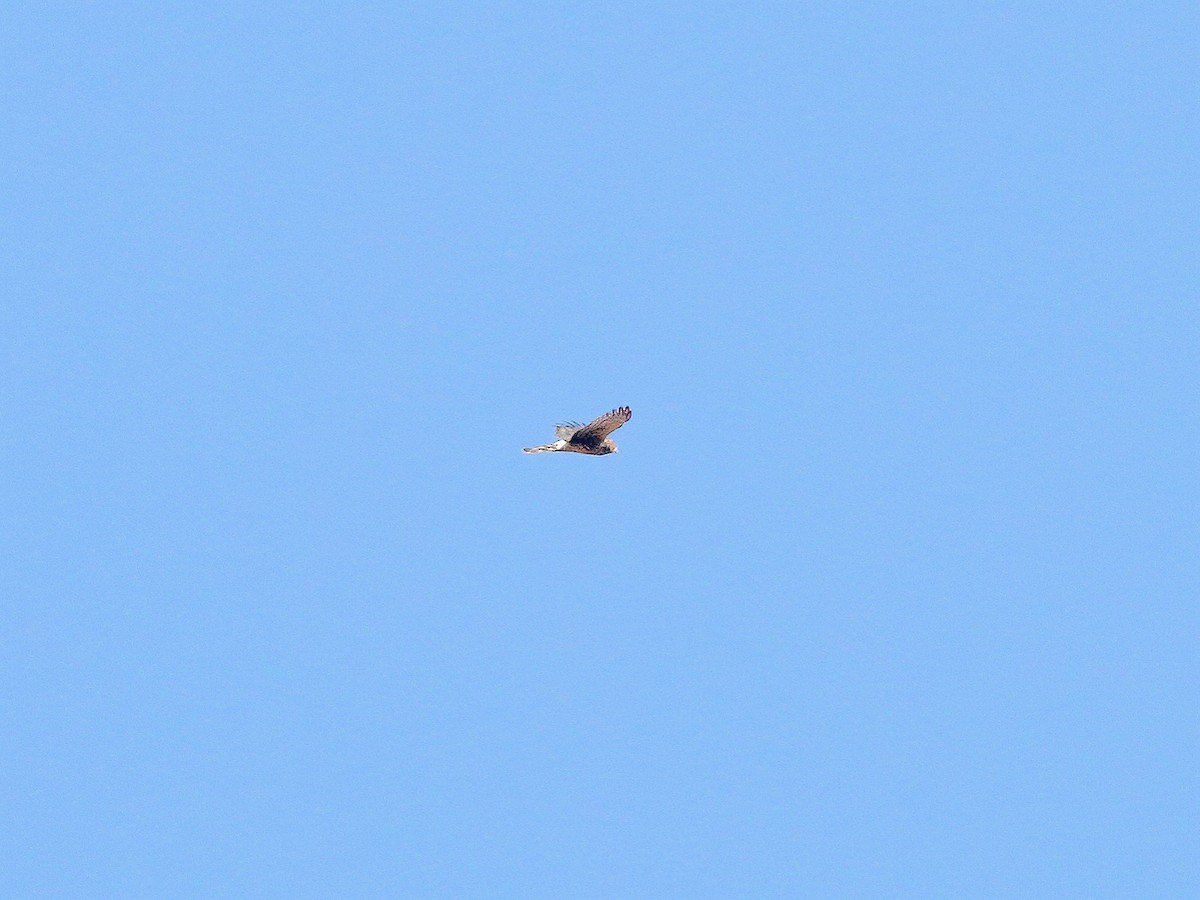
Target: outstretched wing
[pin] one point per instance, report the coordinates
(593, 434)
(564, 431)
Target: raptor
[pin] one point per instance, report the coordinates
(592, 438)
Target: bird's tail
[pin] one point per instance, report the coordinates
(545, 448)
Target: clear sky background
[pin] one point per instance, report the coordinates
(891, 590)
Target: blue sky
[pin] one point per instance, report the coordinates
(891, 590)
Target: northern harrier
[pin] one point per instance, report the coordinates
(592, 439)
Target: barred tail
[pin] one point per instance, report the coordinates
(545, 448)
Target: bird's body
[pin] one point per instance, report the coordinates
(591, 439)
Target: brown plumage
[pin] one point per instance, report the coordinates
(592, 439)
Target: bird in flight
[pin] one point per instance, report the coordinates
(592, 439)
